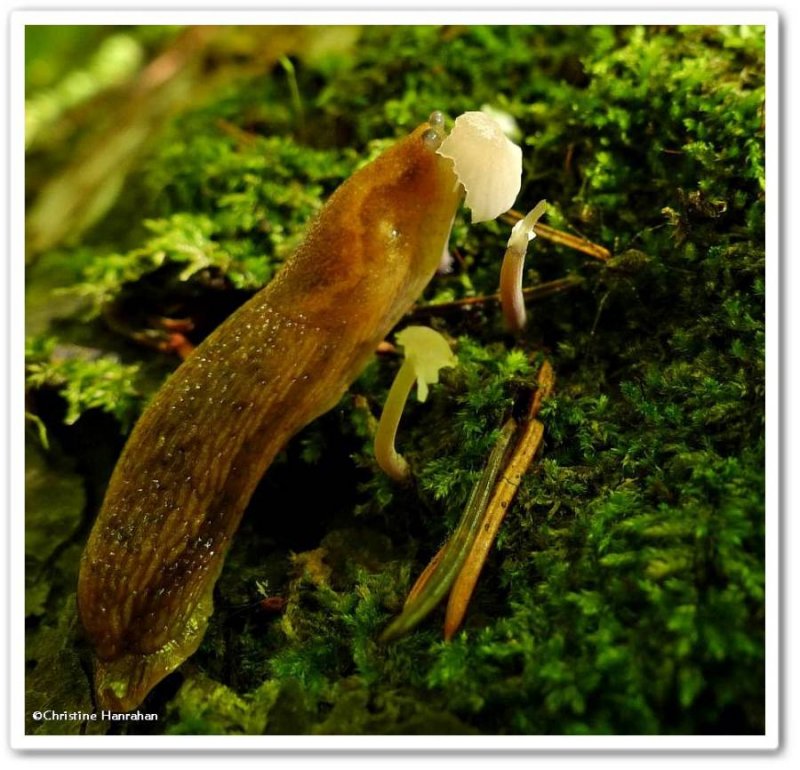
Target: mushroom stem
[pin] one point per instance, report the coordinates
(426, 352)
(511, 288)
(393, 463)
(511, 296)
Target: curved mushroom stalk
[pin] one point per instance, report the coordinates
(511, 297)
(426, 353)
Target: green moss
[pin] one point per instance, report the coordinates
(626, 590)
(205, 707)
(85, 379)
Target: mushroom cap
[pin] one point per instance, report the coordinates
(427, 352)
(487, 164)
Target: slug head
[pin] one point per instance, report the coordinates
(381, 235)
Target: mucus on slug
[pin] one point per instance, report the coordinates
(193, 460)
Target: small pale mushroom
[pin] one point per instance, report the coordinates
(488, 164)
(511, 297)
(426, 352)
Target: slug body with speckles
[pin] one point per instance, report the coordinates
(194, 458)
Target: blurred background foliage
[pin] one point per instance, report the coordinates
(171, 171)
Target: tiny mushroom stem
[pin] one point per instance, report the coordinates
(511, 297)
(393, 463)
(426, 352)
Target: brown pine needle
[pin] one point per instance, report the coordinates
(503, 496)
(545, 382)
(506, 489)
(532, 293)
(438, 577)
(424, 576)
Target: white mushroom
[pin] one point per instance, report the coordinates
(426, 352)
(487, 164)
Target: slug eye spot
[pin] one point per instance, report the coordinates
(432, 139)
(436, 119)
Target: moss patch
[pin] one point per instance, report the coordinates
(626, 591)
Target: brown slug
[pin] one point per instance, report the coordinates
(194, 458)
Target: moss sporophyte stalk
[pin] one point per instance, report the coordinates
(624, 591)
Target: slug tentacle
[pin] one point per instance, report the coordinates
(436, 119)
(432, 138)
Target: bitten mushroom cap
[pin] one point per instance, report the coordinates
(428, 352)
(487, 164)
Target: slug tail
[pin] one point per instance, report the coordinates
(123, 683)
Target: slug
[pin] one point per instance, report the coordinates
(193, 460)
